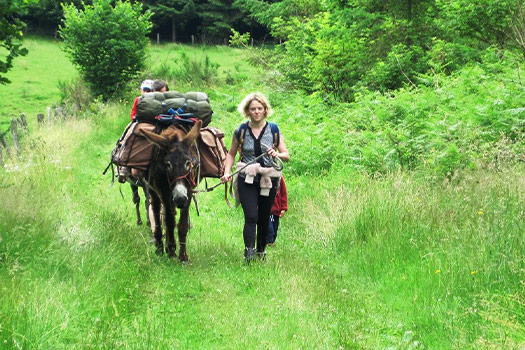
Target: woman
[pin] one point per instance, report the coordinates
(258, 181)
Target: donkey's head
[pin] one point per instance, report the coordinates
(179, 162)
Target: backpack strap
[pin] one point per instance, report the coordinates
(240, 137)
(244, 127)
(276, 134)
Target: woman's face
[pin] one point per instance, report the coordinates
(256, 111)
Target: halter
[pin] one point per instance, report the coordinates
(187, 177)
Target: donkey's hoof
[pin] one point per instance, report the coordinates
(184, 258)
(171, 253)
(139, 222)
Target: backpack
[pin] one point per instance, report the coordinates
(212, 152)
(244, 127)
(191, 104)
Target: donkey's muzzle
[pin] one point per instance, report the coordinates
(180, 195)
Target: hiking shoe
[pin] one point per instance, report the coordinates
(249, 254)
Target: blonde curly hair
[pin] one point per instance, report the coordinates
(255, 96)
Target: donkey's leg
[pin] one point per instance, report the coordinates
(169, 223)
(147, 205)
(157, 229)
(183, 227)
(136, 200)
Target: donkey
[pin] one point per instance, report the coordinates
(170, 181)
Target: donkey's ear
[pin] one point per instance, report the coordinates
(159, 140)
(193, 133)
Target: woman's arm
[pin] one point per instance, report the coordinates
(281, 152)
(230, 158)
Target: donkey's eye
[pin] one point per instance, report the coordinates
(168, 166)
(187, 165)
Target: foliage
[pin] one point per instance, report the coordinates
(193, 70)
(10, 35)
(336, 48)
(74, 93)
(369, 257)
(107, 43)
(239, 40)
(487, 22)
(44, 16)
(179, 13)
(447, 124)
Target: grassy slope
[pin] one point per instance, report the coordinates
(34, 81)
(391, 263)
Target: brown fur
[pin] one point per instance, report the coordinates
(176, 152)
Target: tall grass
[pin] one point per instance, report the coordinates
(391, 261)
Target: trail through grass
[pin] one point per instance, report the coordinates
(399, 261)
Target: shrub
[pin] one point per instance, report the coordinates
(189, 70)
(107, 43)
(74, 92)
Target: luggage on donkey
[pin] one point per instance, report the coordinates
(212, 152)
(132, 149)
(192, 104)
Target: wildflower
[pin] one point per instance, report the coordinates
(480, 212)
(473, 272)
(437, 271)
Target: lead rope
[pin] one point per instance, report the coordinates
(276, 163)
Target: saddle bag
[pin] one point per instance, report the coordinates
(132, 149)
(212, 152)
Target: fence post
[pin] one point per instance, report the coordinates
(23, 120)
(14, 134)
(40, 118)
(59, 114)
(75, 111)
(158, 38)
(192, 39)
(4, 144)
(48, 114)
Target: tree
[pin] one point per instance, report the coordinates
(44, 16)
(10, 35)
(178, 12)
(107, 43)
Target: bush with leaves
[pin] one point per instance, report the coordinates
(107, 43)
(10, 35)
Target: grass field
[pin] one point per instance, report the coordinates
(398, 261)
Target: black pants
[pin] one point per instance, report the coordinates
(256, 213)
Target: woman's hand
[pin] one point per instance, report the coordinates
(272, 152)
(226, 178)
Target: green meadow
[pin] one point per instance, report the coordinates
(369, 255)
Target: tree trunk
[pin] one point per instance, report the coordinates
(173, 30)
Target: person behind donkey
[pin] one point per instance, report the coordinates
(124, 171)
(279, 208)
(257, 182)
(160, 86)
(146, 86)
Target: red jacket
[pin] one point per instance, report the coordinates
(281, 199)
(134, 109)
